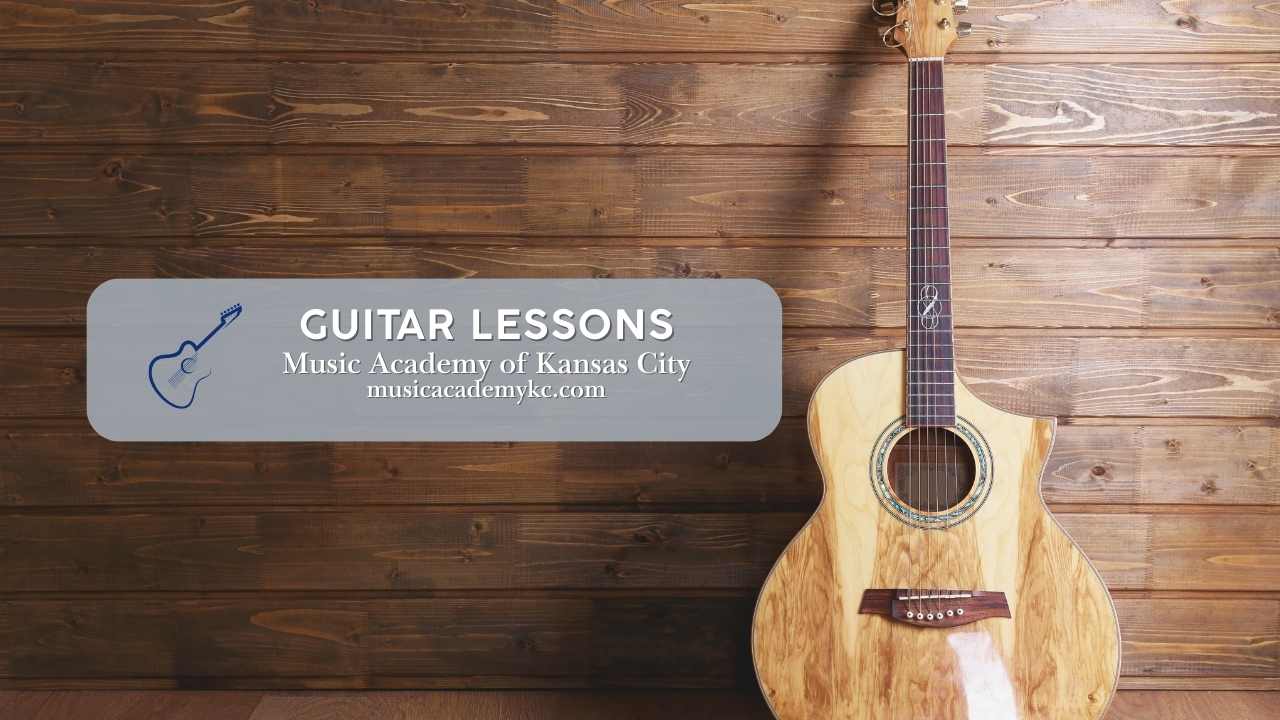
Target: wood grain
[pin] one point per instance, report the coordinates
(528, 705)
(822, 195)
(1164, 465)
(241, 641)
(507, 25)
(483, 549)
(1114, 464)
(1108, 173)
(1064, 375)
(629, 104)
(1058, 375)
(540, 642)
(819, 287)
(46, 705)
(816, 654)
(660, 195)
(1138, 705)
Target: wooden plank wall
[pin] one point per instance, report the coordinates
(1117, 231)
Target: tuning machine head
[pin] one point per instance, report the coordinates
(921, 28)
(964, 29)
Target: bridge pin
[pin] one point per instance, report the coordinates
(960, 611)
(929, 616)
(951, 613)
(910, 615)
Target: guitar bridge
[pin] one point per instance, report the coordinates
(934, 607)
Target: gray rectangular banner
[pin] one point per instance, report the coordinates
(297, 360)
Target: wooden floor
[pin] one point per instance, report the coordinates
(1117, 232)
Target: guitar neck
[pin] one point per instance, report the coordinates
(212, 332)
(930, 353)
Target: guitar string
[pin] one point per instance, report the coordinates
(913, 458)
(946, 306)
(940, 170)
(933, 175)
(923, 174)
(922, 225)
(919, 176)
(929, 168)
(944, 292)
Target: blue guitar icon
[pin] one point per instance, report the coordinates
(176, 375)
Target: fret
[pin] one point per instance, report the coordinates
(930, 363)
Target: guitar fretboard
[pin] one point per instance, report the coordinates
(930, 357)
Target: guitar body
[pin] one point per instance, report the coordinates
(177, 375)
(817, 656)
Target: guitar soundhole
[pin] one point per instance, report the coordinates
(931, 469)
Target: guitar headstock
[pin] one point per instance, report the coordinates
(922, 28)
(230, 314)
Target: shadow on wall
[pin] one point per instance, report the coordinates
(825, 194)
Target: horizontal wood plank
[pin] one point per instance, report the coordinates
(1164, 464)
(1075, 376)
(542, 25)
(1062, 375)
(657, 195)
(819, 287)
(637, 565)
(394, 549)
(1173, 705)
(546, 642)
(137, 705)
(1090, 464)
(551, 642)
(629, 103)
(743, 704)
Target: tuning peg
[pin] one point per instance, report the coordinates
(960, 6)
(964, 29)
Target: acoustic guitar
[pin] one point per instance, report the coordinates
(931, 583)
(175, 377)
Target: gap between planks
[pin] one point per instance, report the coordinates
(18, 423)
(464, 241)
(673, 594)
(25, 151)
(663, 508)
(794, 333)
(471, 683)
(629, 57)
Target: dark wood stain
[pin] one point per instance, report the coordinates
(1112, 195)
